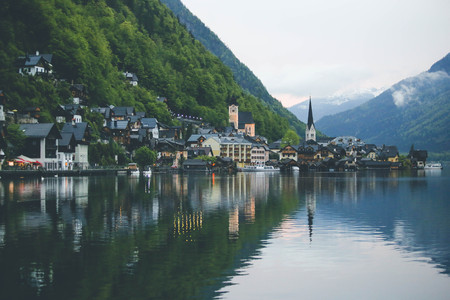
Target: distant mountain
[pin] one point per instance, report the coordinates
(330, 105)
(242, 74)
(414, 111)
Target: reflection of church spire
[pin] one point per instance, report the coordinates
(311, 207)
(310, 222)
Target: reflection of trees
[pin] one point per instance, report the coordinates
(130, 238)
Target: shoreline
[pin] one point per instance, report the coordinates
(7, 174)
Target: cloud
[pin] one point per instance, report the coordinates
(408, 90)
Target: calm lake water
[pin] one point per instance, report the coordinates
(365, 235)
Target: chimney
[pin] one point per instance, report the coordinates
(37, 52)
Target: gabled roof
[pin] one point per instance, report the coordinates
(245, 118)
(105, 111)
(133, 119)
(117, 125)
(71, 108)
(40, 130)
(140, 114)
(78, 130)
(131, 76)
(275, 145)
(33, 60)
(389, 151)
(149, 123)
(123, 111)
(66, 139)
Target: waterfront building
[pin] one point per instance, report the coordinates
(237, 148)
(41, 143)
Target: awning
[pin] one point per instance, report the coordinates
(25, 159)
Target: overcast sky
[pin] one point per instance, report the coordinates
(321, 48)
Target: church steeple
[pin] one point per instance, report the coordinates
(310, 115)
(310, 132)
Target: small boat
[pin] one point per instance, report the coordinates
(433, 166)
(260, 168)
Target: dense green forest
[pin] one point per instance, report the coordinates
(243, 75)
(94, 41)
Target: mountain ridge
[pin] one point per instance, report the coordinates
(413, 111)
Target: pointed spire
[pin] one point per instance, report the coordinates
(310, 115)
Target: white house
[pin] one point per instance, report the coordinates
(35, 64)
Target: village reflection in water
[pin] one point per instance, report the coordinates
(186, 197)
(157, 218)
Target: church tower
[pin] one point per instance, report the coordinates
(310, 132)
(233, 112)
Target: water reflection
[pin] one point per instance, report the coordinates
(174, 236)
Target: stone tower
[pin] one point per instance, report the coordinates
(233, 112)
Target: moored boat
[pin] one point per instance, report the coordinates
(260, 168)
(433, 166)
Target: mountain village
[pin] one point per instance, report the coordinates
(233, 147)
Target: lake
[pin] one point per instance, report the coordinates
(364, 235)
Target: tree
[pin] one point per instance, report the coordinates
(144, 156)
(15, 140)
(290, 138)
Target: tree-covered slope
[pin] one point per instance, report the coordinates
(414, 111)
(94, 42)
(243, 75)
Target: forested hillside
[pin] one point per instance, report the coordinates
(243, 75)
(94, 42)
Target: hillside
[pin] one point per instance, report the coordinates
(414, 111)
(94, 42)
(243, 75)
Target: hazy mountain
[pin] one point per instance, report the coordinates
(330, 105)
(414, 111)
(242, 74)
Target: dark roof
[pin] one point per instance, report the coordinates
(105, 111)
(78, 129)
(275, 145)
(389, 151)
(131, 76)
(67, 138)
(194, 162)
(117, 125)
(123, 111)
(310, 115)
(199, 150)
(149, 122)
(41, 130)
(33, 60)
(245, 117)
(133, 119)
